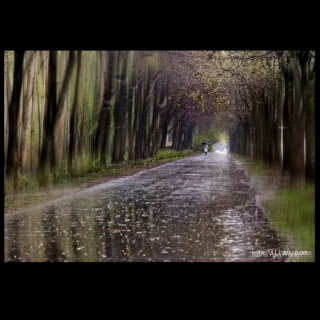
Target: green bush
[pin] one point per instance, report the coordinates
(170, 153)
(211, 136)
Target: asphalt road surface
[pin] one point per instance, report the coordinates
(199, 209)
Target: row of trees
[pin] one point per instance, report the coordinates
(272, 98)
(64, 109)
(67, 109)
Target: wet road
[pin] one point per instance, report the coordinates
(196, 209)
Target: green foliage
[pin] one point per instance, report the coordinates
(170, 153)
(254, 168)
(223, 138)
(211, 136)
(24, 182)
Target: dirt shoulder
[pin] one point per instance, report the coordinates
(14, 203)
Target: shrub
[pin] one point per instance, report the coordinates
(170, 153)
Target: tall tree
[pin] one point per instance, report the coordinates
(103, 130)
(74, 117)
(14, 112)
(120, 110)
(27, 106)
(306, 64)
(49, 112)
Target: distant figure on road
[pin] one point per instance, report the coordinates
(206, 149)
(205, 146)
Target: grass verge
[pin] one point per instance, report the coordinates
(291, 210)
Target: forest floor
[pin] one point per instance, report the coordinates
(18, 201)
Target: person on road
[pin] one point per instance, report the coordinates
(206, 149)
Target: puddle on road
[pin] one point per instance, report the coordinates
(196, 209)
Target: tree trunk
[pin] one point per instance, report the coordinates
(14, 112)
(61, 122)
(136, 123)
(27, 105)
(32, 136)
(131, 96)
(85, 110)
(310, 136)
(298, 129)
(307, 89)
(287, 127)
(120, 112)
(74, 118)
(6, 104)
(278, 130)
(103, 129)
(50, 109)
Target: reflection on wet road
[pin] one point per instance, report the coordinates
(197, 209)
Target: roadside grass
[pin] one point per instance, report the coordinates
(169, 154)
(86, 174)
(254, 168)
(291, 210)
